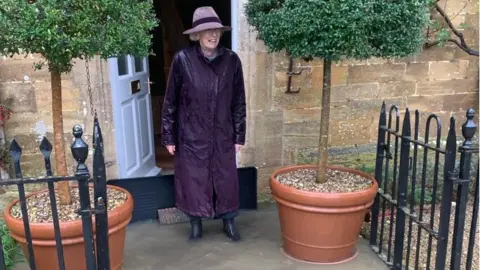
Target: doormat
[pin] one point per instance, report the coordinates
(151, 194)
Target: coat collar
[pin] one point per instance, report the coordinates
(220, 51)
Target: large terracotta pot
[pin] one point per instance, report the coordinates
(43, 237)
(321, 227)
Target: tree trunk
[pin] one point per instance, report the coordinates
(58, 138)
(325, 121)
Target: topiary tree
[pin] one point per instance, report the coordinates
(64, 30)
(339, 29)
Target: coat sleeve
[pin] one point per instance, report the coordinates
(170, 103)
(238, 104)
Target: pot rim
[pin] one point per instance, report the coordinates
(68, 229)
(322, 199)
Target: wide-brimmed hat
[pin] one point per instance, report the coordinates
(205, 18)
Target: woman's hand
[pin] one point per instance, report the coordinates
(171, 149)
(238, 147)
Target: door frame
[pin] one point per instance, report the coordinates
(112, 62)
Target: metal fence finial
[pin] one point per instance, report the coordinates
(79, 150)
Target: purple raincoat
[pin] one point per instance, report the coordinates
(204, 117)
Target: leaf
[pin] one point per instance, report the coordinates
(336, 30)
(64, 30)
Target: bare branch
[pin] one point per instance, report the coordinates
(449, 22)
(460, 43)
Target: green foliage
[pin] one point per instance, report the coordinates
(63, 30)
(5, 157)
(11, 252)
(337, 29)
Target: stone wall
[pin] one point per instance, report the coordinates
(283, 128)
(28, 92)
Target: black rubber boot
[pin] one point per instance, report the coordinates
(230, 229)
(196, 230)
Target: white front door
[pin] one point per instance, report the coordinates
(132, 117)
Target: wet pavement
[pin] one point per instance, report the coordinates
(165, 247)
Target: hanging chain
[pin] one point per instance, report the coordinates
(89, 87)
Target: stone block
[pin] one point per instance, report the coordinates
(472, 70)
(19, 70)
(459, 6)
(339, 75)
(459, 102)
(259, 80)
(350, 157)
(377, 60)
(268, 152)
(353, 62)
(74, 105)
(355, 109)
(425, 103)
(444, 120)
(19, 96)
(396, 89)
(448, 70)
(268, 123)
(264, 177)
(417, 72)
(301, 115)
(354, 92)
(304, 80)
(299, 142)
(247, 156)
(288, 157)
(376, 73)
(408, 59)
(272, 152)
(29, 142)
(471, 31)
(306, 128)
(442, 87)
(351, 132)
(306, 98)
(33, 164)
(445, 53)
(282, 61)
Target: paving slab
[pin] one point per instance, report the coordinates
(151, 246)
(154, 246)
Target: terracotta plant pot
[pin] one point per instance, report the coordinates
(321, 227)
(43, 237)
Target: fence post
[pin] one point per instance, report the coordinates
(46, 150)
(101, 200)
(80, 153)
(382, 124)
(468, 131)
(16, 153)
(402, 192)
(471, 242)
(447, 192)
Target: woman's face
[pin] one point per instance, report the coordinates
(210, 38)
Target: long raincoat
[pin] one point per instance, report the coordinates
(204, 117)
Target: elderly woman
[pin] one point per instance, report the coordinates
(204, 125)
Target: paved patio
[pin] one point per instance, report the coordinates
(151, 246)
(154, 246)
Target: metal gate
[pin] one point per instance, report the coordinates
(416, 194)
(96, 247)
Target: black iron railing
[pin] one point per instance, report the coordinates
(79, 149)
(412, 196)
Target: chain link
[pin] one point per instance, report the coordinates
(89, 87)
